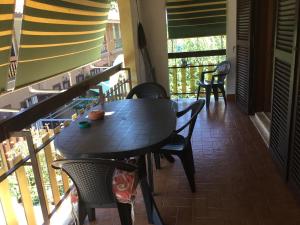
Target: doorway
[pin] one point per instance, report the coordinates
(263, 56)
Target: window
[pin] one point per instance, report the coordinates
(66, 84)
(56, 86)
(79, 78)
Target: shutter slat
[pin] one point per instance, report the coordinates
(244, 10)
(283, 79)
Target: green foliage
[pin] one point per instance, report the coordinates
(192, 75)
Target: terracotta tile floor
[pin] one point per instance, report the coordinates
(236, 180)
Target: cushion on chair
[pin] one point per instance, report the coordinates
(124, 185)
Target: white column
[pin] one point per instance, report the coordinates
(153, 17)
(128, 25)
(231, 45)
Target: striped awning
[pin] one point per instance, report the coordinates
(196, 18)
(58, 36)
(6, 26)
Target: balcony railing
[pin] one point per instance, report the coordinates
(31, 192)
(185, 69)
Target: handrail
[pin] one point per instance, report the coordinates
(43, 108)
(175, 55)
(190, 66)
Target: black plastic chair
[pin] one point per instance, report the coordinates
(149, 90)
(181, 146)
(216, 83)
(93, 181)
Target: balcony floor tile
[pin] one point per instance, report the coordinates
(236, 181)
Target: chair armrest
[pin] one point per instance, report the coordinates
(205, 72)
(219, 75)
(181, 113)
(211, 71)
(185, 125)
(58, 164)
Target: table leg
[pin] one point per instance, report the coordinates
(151, 208)
(150, 171)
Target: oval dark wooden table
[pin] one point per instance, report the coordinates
(131, 127)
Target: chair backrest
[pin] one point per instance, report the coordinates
(93, 179)
(222, 70)
(223, 67)
(149, 90)
(195, 109)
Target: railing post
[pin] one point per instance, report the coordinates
(119, 90)
(200, 74)
(37, 176)
(52, 175)
(175, 84)
(3, 161)
(5, 197)
(101, 95)
(25, 193)
(6, 203)
(209, 75)
(122, 82)
(64, 176)
(183, 80)
(192, 79)
(129, 77)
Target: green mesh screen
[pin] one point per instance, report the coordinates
(58, 36)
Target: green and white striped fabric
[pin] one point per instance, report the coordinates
(58, 36)
(196, 18)
(6, 26)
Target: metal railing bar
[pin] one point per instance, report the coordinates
(37, 176)
(66, 108)
(14, 168)
(54, 120)
(129, 76)
(85, 99)
(42, 146)
(24, 161)
(174, 55)
(189, 66)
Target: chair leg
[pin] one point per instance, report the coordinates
(157, 160)
(191, 156)
(198, 92)
(91, 214)
(207, 92)
(81, 213)
(188, 169)
(169, 157)
(145, 188)
(224, 95)
(216, 94)
(125, 213)
(150, 171)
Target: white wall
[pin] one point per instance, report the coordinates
(153, 17)
(231, 44)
